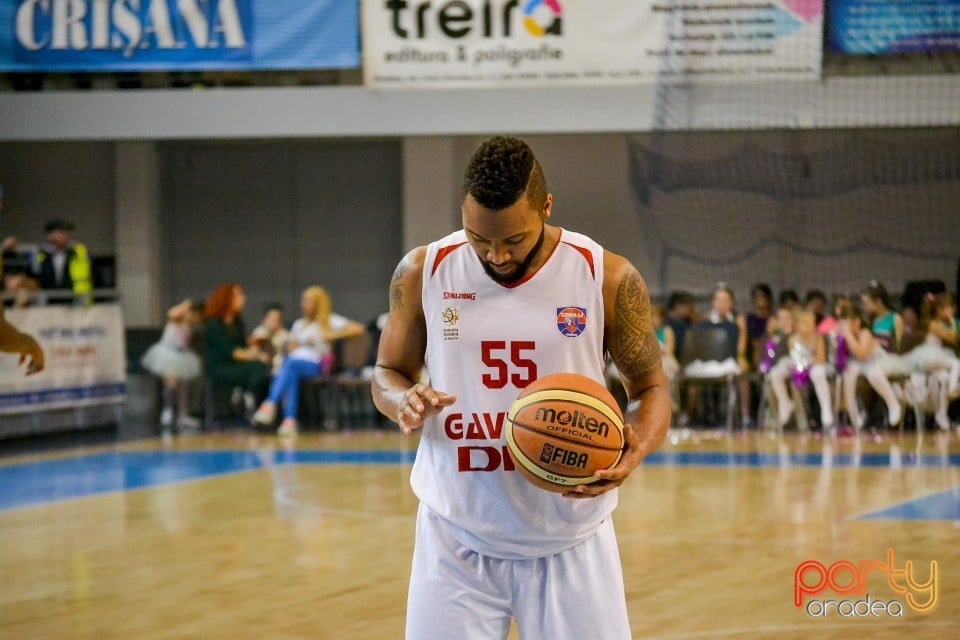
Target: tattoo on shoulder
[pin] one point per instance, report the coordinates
(396, 293)
(635, 348)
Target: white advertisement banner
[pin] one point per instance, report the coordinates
(484, 43)
(85, 355)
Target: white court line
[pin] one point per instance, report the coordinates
(283, 496)
(786, 542)
(815, 626)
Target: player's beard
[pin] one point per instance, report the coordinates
(521, 271)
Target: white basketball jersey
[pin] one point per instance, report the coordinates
(485, 342)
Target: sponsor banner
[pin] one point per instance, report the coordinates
(85, 357)
(483, 43)
(894, 26)
(153, 35)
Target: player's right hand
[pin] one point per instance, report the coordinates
(418, 403)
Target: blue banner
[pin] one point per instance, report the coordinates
(894, 26)
(167, 35)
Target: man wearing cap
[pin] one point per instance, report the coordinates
(62, 264)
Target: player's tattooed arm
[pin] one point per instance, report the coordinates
(632, 343)
(396, 282)
(634, 346)
(400, 355)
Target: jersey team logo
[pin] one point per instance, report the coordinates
(571, 321)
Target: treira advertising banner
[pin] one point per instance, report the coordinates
(160, 35)
(483, 43)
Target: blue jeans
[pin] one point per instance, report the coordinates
(286, 384)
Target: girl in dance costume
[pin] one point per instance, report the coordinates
(868, 357)
(936, 356)
(172, 361)
(667, 340)
(887, 325)
(807, 359)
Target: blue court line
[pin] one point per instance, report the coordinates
(755, 459)
(943, 505)
(55, 480)
(35, 483)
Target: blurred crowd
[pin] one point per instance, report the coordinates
(905, 355)
(262, 370)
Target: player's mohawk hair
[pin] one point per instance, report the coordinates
(500, 171)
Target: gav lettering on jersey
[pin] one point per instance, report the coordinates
(479, 427)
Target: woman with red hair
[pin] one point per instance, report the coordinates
(229, 361)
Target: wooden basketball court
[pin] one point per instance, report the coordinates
(240, 536)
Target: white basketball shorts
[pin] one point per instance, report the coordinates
(457, 593)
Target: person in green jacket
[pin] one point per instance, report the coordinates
(229, 361)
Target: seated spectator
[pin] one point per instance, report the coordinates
(830, 329)
(681, 313)
(229, 361)
(807, 358)
(756, 321)
(779, 329)
(789, 299)
(935, 356)
(868, 357)
(842, 306)
(19, 289)
(721, 305)
(667, 340)
(752, 329)
(886, 325)
(943, 321)
(816, 301)
(270, 336)
(309, 354)
(912, 336)
(721, 313)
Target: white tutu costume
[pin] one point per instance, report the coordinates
(171, 357)
(931, 356)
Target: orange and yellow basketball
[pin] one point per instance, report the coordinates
(563, 428)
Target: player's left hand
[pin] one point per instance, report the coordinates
(32, 354)
(613, 477)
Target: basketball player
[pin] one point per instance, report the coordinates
(13, 341)
(482, 310)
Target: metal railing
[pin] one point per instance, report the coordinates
(45, 297)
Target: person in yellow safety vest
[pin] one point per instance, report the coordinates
(62, 264)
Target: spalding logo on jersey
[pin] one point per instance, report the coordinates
(571, 321)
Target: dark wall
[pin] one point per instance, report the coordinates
(278, 217)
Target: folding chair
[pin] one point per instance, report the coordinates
(707, 348)
(352, 400)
